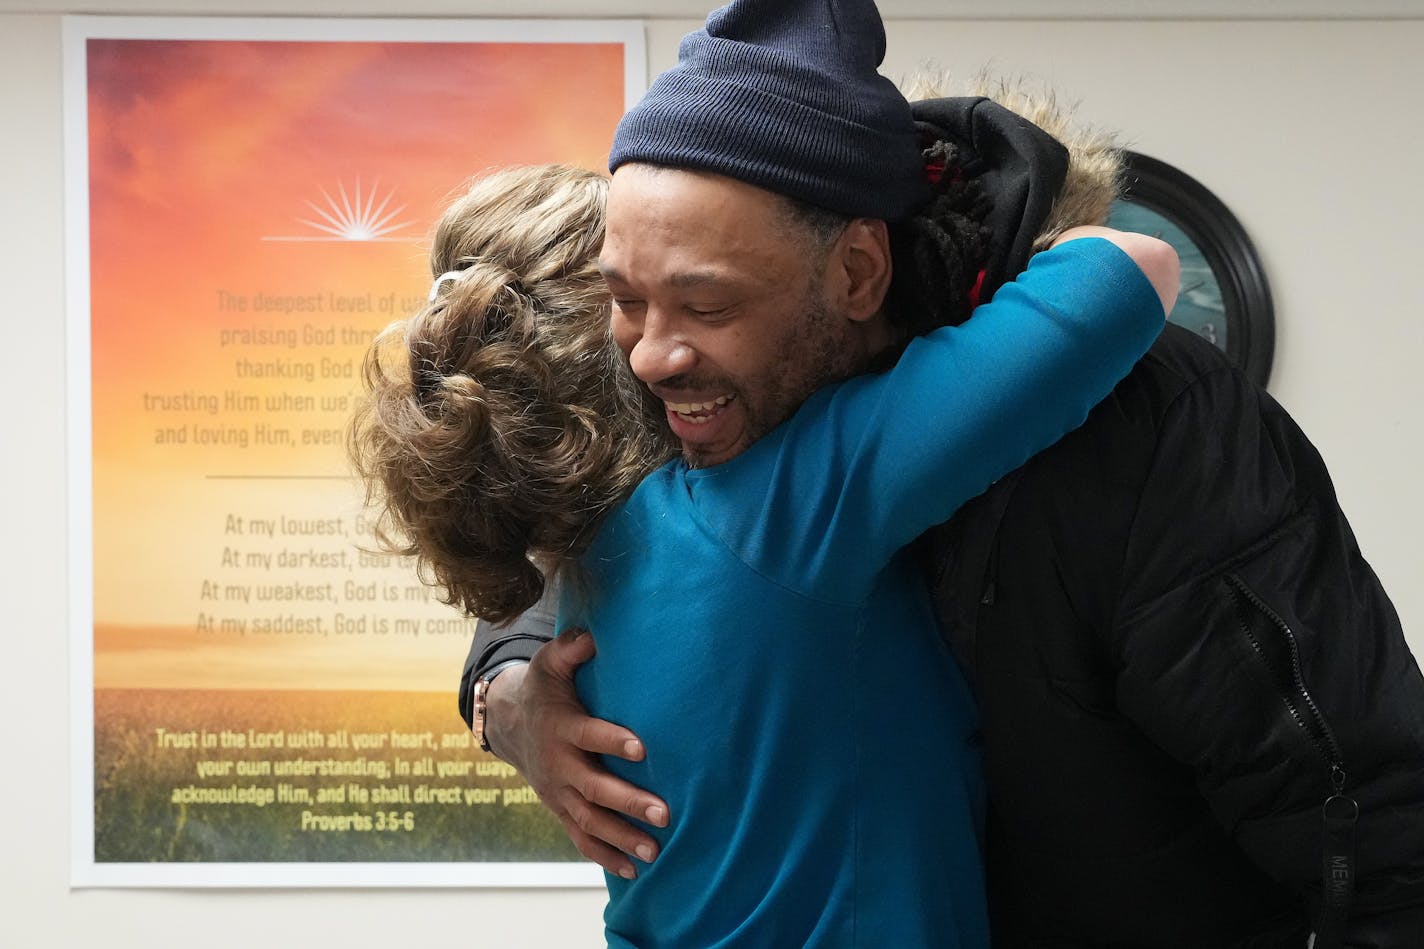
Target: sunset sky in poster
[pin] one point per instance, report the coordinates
(200, 153)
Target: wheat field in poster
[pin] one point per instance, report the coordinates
(250, 201)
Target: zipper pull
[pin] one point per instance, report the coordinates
(1338, 817)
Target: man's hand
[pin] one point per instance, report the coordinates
(536, 723)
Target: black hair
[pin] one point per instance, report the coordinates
(940, 250)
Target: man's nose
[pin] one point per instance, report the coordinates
(660, 353)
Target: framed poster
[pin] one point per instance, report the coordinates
(259, 697)
(1225, 297)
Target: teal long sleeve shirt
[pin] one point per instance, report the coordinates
(760, 628)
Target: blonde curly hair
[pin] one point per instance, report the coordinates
(500, 422)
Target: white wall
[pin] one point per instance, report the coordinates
(1307, 128)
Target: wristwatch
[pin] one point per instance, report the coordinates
(481, 706)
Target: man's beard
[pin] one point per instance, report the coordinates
(814, 352)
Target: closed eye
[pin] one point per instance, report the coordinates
(710, 314)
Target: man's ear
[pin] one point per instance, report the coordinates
(862, 256)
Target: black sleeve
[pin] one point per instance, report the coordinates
(1256, 645)
(519, 639)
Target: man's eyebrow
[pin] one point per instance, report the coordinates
(682, 279)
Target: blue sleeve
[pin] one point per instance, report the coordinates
(825, 501)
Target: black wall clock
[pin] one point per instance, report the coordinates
(1224, 296)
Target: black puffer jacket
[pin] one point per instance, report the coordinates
(1180, 654)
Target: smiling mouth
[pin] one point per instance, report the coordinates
(698, 413)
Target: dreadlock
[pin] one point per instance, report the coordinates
(939, 251)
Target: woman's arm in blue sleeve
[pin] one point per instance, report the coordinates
(885, 457)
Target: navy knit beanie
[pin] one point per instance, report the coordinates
(784, 95)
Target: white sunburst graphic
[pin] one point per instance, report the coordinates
(354, 216)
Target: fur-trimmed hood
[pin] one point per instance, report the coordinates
(1095, 161)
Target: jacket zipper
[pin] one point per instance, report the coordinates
(1339, 812)
(1297, 697)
